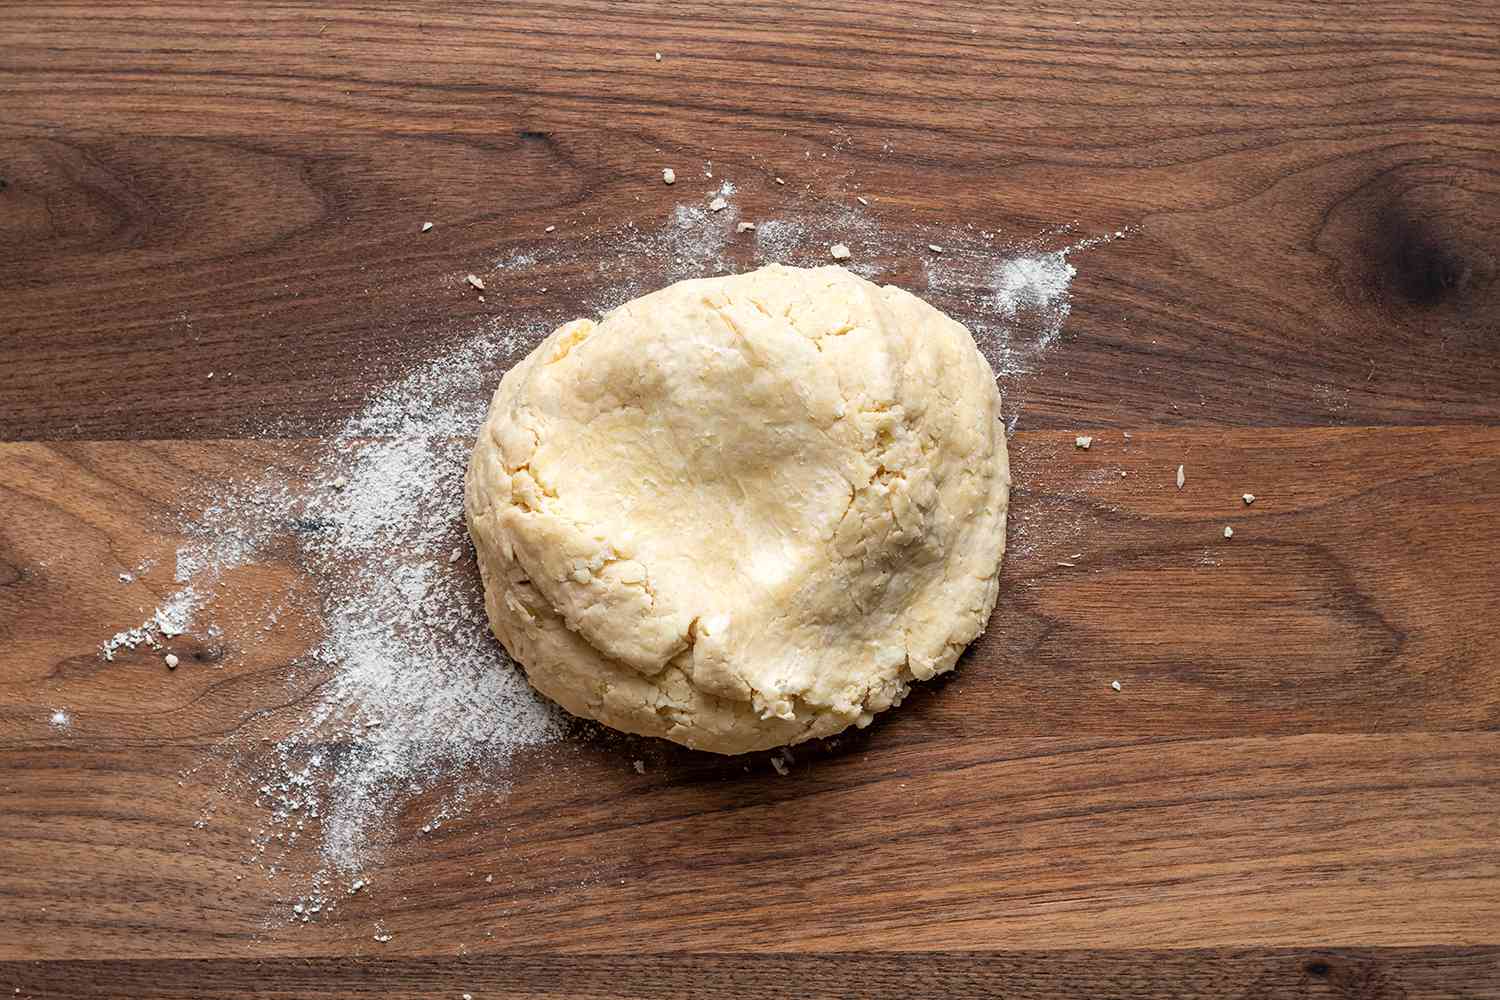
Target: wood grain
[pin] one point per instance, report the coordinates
(236, 188)
(1022, 803)
(880, 844)
(1357, 594)
(1296, 793)
(1366, 973)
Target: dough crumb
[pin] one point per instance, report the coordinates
(1249, 499)
(549, 229)
(839, 252)
(668, 175)
(658, 57)
(718, 205)
(340, 483)
(171, 661)
(1115, 685)
(126, 578)
(455, 555)
(1181, 476)
(489, 880)
(780, 766)
(934, 248)
(780, 181)
(383, 938)
(1228, 531)
(1083, 441)
(745, 227)
(639, 765)
(860, 200)
(475, 281)
(426, 227)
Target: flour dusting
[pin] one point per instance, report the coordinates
(402, 691)
(1039, 283)
(416, 689)
(410, 687)
(419, 682)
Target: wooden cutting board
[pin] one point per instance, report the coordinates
(1296, 790)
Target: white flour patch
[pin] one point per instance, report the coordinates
(175, 616)
(411, 690)
(1036, 283)
(1015, 301)
(416, 689)
(1031, 299)
(60, 720)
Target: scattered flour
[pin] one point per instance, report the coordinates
(60, 720)
(416, 688)
(410, 687)
(412, 694)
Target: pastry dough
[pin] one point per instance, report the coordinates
(745, 511)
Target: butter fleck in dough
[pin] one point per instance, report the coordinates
(745, 511)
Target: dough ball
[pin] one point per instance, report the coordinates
(742, 512)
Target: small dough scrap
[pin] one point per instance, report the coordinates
(745, 511)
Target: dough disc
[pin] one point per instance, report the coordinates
(742, 512)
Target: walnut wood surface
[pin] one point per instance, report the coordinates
(1303, 750)
(236, 187)
(1369, 973)
(1357, 595)
(1296, 793)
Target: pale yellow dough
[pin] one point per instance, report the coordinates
(742, 512)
